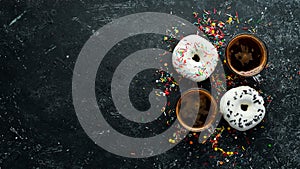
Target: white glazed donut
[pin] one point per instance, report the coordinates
(195, 58)
(242, 107)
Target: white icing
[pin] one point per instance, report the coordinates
(189, 68)
(230, 107)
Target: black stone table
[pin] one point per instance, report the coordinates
(40, 41)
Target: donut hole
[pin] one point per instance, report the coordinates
(244, 107)
(196, 58)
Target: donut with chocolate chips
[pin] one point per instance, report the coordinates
(242, 107)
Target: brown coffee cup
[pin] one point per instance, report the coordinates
(246, 55)
(196, 110)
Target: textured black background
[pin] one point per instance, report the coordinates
(39, 127)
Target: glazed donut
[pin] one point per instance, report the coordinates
(195, 58)
(242, 107)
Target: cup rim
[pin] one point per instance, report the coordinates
(262, 48)
(212, 117)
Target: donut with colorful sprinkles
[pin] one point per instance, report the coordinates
(195, 58)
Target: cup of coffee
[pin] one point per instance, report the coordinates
(196, 110)
(246, 55)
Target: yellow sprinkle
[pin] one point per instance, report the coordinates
(223, 128)
(222, 150)
(165, 38)
(243, 148)
(172, 141)
(230, 153)
(229, 20)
